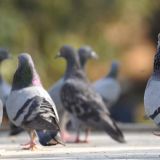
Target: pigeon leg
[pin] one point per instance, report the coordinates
(87, 132)
(77, 140)
(31, 144)
(66, 136)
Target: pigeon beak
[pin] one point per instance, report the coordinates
(58, 56)
(94, 55)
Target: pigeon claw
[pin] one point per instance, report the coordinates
(29, 146)
(81, 141)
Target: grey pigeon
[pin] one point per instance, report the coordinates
(109, 87)
(152, 91)
(54, 92)
(29, 105)
(5, 88)
(85, 52)
(82, 101)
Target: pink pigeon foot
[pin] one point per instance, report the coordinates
(29, 146)
(67, 137)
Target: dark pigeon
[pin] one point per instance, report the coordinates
(82, 101)
(29, 105)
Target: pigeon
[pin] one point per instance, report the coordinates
(54, 92)
(1, 111)
(106, 85)
(85, 53)
(29, 105)
(109, 87)
(152, 91)
(80, 100)
(5, 88)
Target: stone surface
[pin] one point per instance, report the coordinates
(140, 145)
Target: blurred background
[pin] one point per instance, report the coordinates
(125, 30)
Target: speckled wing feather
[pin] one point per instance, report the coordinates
(84, 101)
(81, 101)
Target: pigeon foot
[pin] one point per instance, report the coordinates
(29, 146)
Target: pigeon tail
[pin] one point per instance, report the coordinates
(113, 130)
(48, 138)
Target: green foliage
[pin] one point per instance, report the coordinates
(40, 27)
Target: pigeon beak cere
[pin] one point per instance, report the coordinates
(94, 55)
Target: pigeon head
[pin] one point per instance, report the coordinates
(67, 52)
(73, 66)
(85, 53)
(114, 69)
(4, 54)
(26, 74)
(25, 61)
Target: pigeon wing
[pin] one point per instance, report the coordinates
(82, 101)
(85, 104)
(40, 115)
